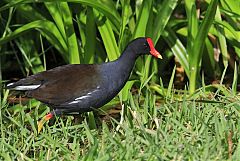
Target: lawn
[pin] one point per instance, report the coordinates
(151, 130)
(183, 107)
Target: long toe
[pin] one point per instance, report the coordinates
(43, 120)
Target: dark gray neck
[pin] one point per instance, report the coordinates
(127, 60)
(119, 70)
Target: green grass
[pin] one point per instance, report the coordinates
(150, 130)
(199, 35)
(158, 122)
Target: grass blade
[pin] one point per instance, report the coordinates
(170, 85)
(235, 79)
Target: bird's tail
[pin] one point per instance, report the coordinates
(23, 85)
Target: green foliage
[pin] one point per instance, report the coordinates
(187, 129)
(195, 53)
(144, 18)
(161, 122)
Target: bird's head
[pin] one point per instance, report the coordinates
(144, 45)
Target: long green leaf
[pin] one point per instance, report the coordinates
(142, 21)
(108, 37)
(222, 39)
(108, 9)
(73, 52)
(231, 5)
(55, 12)
(90, 32)
(177, 48)
(47, 28)
(192, 25)
(196, 53)
(126, 14)
(141, 31)
(162, 17)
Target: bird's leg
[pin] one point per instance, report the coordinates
(43, 120)
(55, 112)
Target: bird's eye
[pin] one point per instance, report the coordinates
(145, 45)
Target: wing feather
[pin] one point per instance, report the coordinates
(64, 84)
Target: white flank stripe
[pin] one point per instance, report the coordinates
(73, 102)
(82, 97)
(77, 100)
(29, 87)
(10, 84)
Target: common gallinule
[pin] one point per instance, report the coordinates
(83, 87)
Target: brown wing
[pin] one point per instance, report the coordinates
(65, 83)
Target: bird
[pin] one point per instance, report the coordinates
(83, 87)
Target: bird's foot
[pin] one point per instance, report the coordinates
(43, 120)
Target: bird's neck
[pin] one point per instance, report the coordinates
(127, 60)
(122, 68)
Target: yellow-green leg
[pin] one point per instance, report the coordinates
(43, 120)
